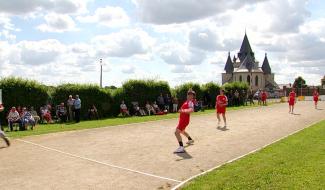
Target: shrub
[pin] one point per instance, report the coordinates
(210, 91)
(21, 92)
(89, 95)
(181, 91)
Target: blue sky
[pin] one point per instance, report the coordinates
(58, 41)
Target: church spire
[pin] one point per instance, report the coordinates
(245, 49)
(266, 65)
(229, 67)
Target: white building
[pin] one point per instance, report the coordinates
(245, 68)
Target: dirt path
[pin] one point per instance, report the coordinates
(139, 156)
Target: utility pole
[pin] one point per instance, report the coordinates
(101, 73)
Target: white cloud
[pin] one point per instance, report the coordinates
(57, 23)
(23, 7)
(171, 11)
(128, 69)
(177, 54)
(124, 43)
(107, 16)
(181, 69)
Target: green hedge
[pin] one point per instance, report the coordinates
(239, 86)
(181, 91)
(89, 95)
(21, 92)
(210, 91)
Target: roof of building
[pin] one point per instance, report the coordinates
(266, 66)
(245, 49)
(229, 68)
(248, 63)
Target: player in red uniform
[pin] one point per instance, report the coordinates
(184, 119)
(221, 104)
(264, 97)
(316, 96)
(292, 100)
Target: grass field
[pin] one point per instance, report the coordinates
(52, 128)
(297, 162)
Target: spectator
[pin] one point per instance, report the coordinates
(77, 108)
(61, 113)
(150, 109)
(19, 110)
(161, 102)
(137, 110)
(27, 119)
(236, 97)
(13, 117)
(168, 102)
(46, 114)
(156, 107)
(70, 104)
(93, 113)
(124, 109)
(175, 105)
(251, 97)
(35, 115)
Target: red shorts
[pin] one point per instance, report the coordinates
(221, 110)
(263, 99)
(182, 125)
(316, 99)
(291, 102)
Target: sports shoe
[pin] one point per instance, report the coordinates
(180, 150)
(190, 142)
(7, 141)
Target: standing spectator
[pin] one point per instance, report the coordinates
(2, 134)
(27, 119)
(259, 100)
(250, 95)
(61, 113)
(264, 97)
(93, 113)
(77, 108)
(167, 101)
(161, 102)
(13, 117)
(236, 97)
(244, 98)
(175, 105)
(124, 109)
(70, 104)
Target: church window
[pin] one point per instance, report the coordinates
(240, 78)
(256, 81)
(248, 79)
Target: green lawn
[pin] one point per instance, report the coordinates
(51, 128)
(297, 162)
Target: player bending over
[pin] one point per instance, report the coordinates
(184, 119)
(221, 104)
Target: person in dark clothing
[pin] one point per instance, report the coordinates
(161, 102)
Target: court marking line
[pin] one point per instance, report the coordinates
(99, 162)
(239, 157)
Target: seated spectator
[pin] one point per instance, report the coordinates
(46, 114)
(27, 119)
(124, 109)
(13, 117)
(34, 114)
(93, 113)
(156, 107)
(150, 109)
(62, 113)
(137, 110)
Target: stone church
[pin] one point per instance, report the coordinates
(245, 68)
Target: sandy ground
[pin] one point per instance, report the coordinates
(140, 156)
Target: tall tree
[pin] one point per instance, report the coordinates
(299, 83)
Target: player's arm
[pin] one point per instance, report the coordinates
(1, 108)
(226, 103)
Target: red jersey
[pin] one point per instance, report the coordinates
(184, 118)
(263, 96)
(316, 95)
(292, 96)
(221, 101)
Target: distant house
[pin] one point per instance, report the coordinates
(245, 68)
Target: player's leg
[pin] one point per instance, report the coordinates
(218, 117)
(180, 149)
(224, 119)
(3, 136)
(190, 140)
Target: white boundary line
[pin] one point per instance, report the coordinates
(98, 162)
(239, 157)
